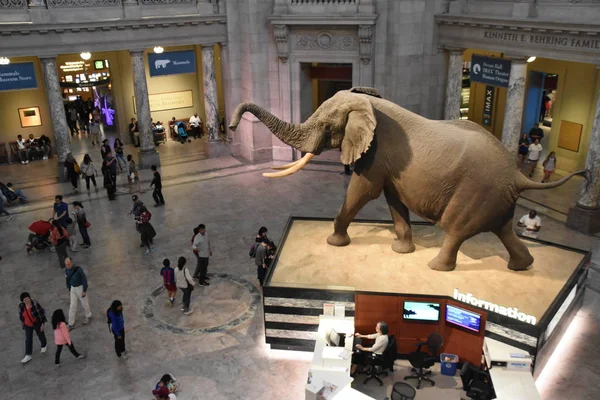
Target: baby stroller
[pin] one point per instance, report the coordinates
(38, 240)
(181, 132)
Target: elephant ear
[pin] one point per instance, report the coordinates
(360, 129)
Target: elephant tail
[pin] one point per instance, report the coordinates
(523, 183)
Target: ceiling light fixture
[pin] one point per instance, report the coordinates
(86, 55)
(158, 49)
(531, 59)
(4, 61)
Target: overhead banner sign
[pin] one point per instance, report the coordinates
(175, 62)
(17, 76)
(489, 70)
(488, 105)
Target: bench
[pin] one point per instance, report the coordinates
(14, 152)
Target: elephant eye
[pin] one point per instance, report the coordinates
(328, 128)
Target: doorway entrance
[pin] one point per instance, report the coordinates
(318, 83)
(540, 97)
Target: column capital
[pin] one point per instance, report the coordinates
(516, 59)
(137, 52)
(281, 38)
(47, 58)
(452, 50)
(365, 39)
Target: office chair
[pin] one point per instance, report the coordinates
(383, 363)
(421, 360)
(476, 382)
(403, 391)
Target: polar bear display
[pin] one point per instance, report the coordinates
(161, 63)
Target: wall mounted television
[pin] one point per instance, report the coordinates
(421, 311)
(463, 318)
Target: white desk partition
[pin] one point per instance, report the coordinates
(512, 379)
(328, 366)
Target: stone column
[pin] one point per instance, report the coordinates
(148, 155)
(515, 99)
(585, 215)
(214, 146)
(57, 113)
(454, 84)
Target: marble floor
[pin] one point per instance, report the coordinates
(217, 353)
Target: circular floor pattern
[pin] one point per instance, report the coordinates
(228, 302)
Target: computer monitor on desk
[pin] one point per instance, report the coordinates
(335, 339)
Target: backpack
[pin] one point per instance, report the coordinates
(252, 252)
(76, 168)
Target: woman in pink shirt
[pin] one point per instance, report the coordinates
(62, 337)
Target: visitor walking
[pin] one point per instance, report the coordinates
(109, 183)
(534, 155)
(111, 164)
(185, 282)
(95, 131)
(168, 275)
(159, 200)
(89, 172)
(202, 250)
(523, 150)
(549, 165)
(133, 174)
(82, 224)
(118, 146)
(104, 149)
(33, 318)
(72, 170)
(72, 231)
(62, 336)
(260, 260)
(59, 237)
(116, 326)
(146, 229)
(77, 285)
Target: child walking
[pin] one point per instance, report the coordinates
(133, 174)
(168, 275)
(72, 231)
(62, 336)
(549, 165)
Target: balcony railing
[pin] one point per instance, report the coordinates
(325, 1)
(82, 3)
(13, 4)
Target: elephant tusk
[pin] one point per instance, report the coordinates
(293, 169)
(286, 166)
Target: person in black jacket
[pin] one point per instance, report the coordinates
(33, 318)
(157, 183)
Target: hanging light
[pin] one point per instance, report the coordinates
(4, 61)
(531, 59)
(86, 55)
(158, 49)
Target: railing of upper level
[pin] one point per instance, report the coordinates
(24, 4)
(81, 3)
(325, 1)
(13, 4)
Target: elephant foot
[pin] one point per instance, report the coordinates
(338, 239)
(438, 264)
(403, 247)
(521, 263)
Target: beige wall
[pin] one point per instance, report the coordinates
(578, 86)
(11, 101)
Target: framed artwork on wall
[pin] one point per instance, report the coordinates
(30, 117)
(569, 136)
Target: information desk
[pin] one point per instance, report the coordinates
(510, 370)
(328, 366)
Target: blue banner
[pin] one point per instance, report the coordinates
(17, 76)
(491, 71)
(175, 62)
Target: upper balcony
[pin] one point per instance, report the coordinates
(77, 11)
(332, 12)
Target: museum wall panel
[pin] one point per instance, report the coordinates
(11, 101)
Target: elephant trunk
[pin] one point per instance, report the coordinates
(295, 135)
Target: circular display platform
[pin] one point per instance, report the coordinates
(228, 302)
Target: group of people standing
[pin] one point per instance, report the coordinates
(530, 147)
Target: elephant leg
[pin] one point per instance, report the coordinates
(401, 217)
(446, 258)
(360, 192)
(520, 258)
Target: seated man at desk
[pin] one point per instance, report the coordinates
(381, 342)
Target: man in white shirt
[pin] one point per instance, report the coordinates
(531, 222)
(202, 251)
(195, 123)
(534, 155)
(23, 151)
(381, 342)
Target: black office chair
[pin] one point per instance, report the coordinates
(402, 391)
(421, 360)
(384, 363)
(476, 382)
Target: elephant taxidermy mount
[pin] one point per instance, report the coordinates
(452, 173)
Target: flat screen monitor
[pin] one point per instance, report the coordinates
(421, 311)
(463, 318)
(333, 338)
